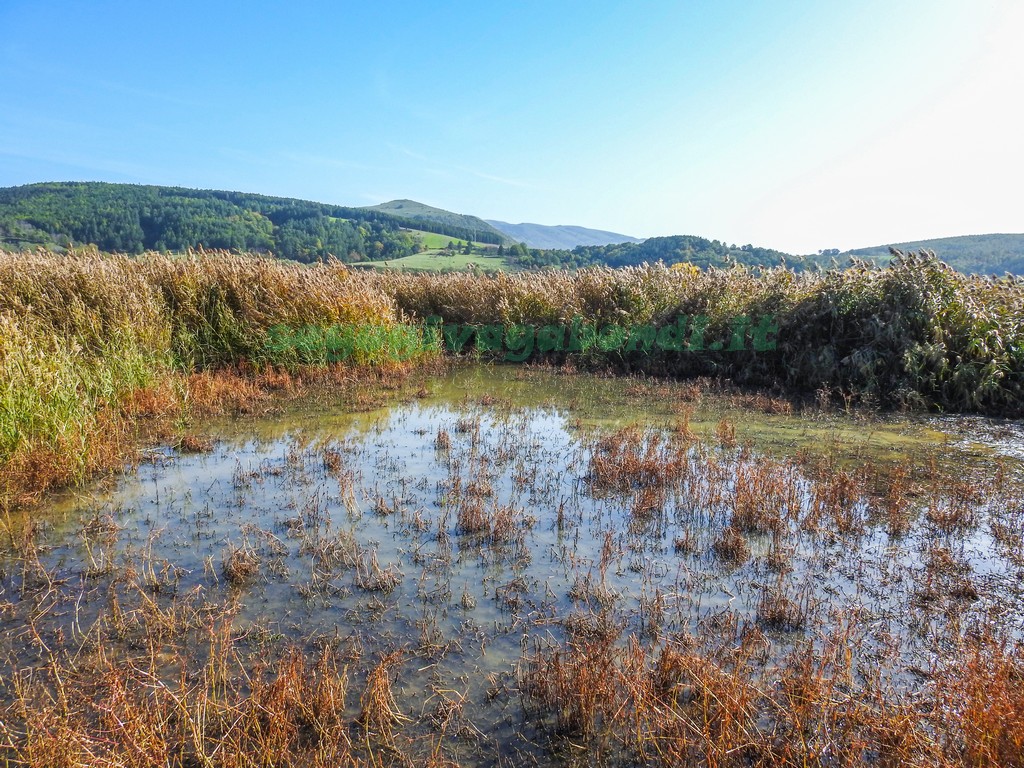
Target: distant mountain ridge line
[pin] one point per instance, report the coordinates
(131, 218)
(560, 235)
(420, 212)
(534, 235)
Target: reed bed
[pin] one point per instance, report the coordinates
(96, 350)
(709, 700)
(234, 711)
(93, 347)
(112, 660)
(914, 333)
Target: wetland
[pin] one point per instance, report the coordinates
(498, 566)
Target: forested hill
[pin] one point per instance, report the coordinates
(477, 229)
(971, 254)
(672, 250)
(131, 218)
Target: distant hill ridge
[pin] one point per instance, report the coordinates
(559, 236)
(534, 235)
(994, 254)
(420, 212)
(131, 218)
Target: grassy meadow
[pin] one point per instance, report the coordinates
(436, 258)
(433, 241)
(439, 261)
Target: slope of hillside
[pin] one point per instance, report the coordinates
(559, 236)
(971, 254)
(130, 218)
(477, 229)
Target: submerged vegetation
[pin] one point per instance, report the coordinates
(465, 580)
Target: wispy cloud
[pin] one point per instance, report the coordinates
(409, 153)
(320, 161)
(94, 165)
(499, 179)
(442, 169)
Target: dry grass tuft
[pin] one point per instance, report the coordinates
(191, 443)
(731, 547)
(379, 713)
(241, 565)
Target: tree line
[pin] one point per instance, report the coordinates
(128, 218)
(698, 251)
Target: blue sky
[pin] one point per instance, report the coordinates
(791, 124)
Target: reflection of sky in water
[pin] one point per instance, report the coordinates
(531, 449)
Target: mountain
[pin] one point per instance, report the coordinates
(561, 236)
(534, 235)
(130, 218)
(972, 254)
(420, 213)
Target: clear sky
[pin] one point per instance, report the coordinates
(793, 124)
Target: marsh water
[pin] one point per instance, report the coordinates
(487, 515)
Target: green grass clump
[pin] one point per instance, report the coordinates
(221, 306)
(47, 384)
(365, 344)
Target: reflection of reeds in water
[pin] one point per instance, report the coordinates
(372, 578)
(777, 609)
(731, 547)
(765, 495)
(629, 459)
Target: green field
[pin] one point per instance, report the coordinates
(433, 241)
(434, 261)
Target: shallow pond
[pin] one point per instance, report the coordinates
(500, 515)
